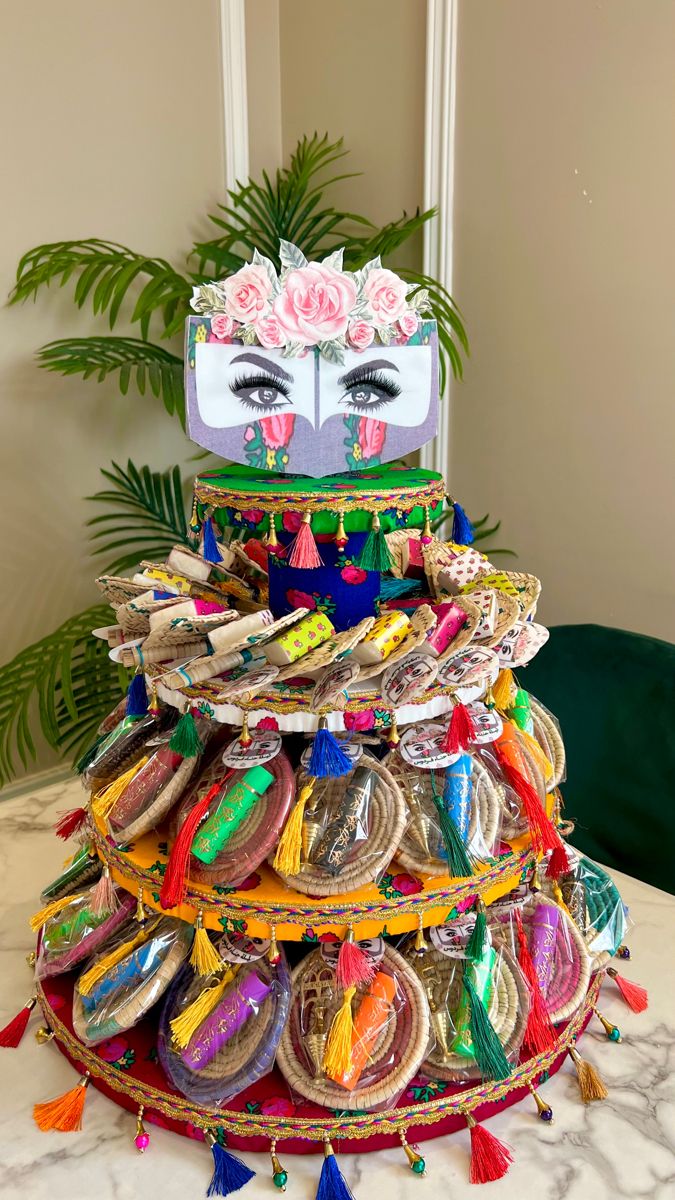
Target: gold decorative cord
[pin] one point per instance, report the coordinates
(317, 1129)
(424, 496)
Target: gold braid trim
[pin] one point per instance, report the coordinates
(424, 495)
(316, 1129)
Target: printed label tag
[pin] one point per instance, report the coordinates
(265, 744)
(404, 680)
(242, 949)
(373, 948)
(487, 723)
(451, 939)
(506, 648)
(330, 687)
(467, 667)
(420, 746)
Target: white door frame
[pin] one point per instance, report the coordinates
(439, 171)
(235, 100)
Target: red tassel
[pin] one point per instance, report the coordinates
(636, 997)
(12, 1034)
(354, 968)
(539, 1034)
(544, 835)
(70, 822)
(174, 885)
(65, 1112)
(302, 551)
(459, 732)
(490, 1158)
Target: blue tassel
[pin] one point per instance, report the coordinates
(391, 589)
(210, 549)
(229, 1172)
(332, 1185)
(327, 758)
(462, 529)
(137, 697)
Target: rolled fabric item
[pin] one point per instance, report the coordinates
(340, 834)
(312, 631)
(84, 868)
(459, 567)
(451, 618)
(186, 562)
(237, 633)
(136, 656)
(383, 637)
(373, 1013)
(210, 666)
(230, 813)
(545, 920)
(481, 973)
(241, 1002)
(574, 895)
(412, 559)
(458, 793)
(143, 788)
(190, 608)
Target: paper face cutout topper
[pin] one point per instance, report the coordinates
(316, 370)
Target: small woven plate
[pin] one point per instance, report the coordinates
(118, 590)
(548, 735)
(396, 1057)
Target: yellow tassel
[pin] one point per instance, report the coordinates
(101, 967)
(104, 800)
(184, 1026)
(504, 688)
(337, 1060)
(591, 1085)
(203, 957)
(50, 910)
(534, 749)
(287, 857)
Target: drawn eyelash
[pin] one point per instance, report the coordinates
(242, 383)
(366, 376)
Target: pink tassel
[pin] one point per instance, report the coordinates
(104, 897)
(302, 551)
(70, 822)
(354, 968)
(636, 997)
(459, 732)
(490, 1158)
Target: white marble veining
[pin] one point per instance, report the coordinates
(623, 1149)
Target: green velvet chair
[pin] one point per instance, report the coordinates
(613, 693)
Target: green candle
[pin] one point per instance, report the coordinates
(230, 813)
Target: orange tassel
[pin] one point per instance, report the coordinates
(636, 997)
(490, 1158)
(65, 1112)
(544, 835)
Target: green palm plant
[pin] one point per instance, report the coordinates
(65, 683)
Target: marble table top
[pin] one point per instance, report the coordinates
(622, 1148)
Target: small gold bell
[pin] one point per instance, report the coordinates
(43, 1034)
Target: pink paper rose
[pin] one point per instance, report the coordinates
(221, 325)
(385, 293)
(408, 323)
(360, 334)
(269, 332)
(315, 303)
(247, 293)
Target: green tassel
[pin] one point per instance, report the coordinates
(459, 863)
(375, 554)
(487, 1048)
(476, 943)
(185, 739)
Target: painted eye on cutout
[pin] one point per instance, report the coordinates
(262, 392)
(368, 389)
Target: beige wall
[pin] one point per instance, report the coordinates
(565, 260)
(111, 127)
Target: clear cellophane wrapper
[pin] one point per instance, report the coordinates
(468, 793)
(595, 905)
(350, 830)
(554, 943)
(77, 931)
(140, 963)
(498, 983)
(242, 1009)
(123, 745)
(155, 788)
(83, 870)
(243, 820)
(389, 1036)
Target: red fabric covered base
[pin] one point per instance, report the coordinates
(134, 1055)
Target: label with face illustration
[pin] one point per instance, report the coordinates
(487, 724)
(264, 745)
(404, 680)
(467, 667)
(420, 746)
(305, 413)
(242, 949)
(330, 689)
(373, 948)
(451, 939)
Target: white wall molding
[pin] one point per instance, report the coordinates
(235, 101)
(439, 169)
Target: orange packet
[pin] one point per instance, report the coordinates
(509, 743)
(373, 1013)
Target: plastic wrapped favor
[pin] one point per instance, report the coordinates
(78, 929)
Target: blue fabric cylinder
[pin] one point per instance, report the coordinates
(340, 589)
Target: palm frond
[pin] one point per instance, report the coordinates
(74, 682)
(109, 271)
(147, 517)
(136, 362)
